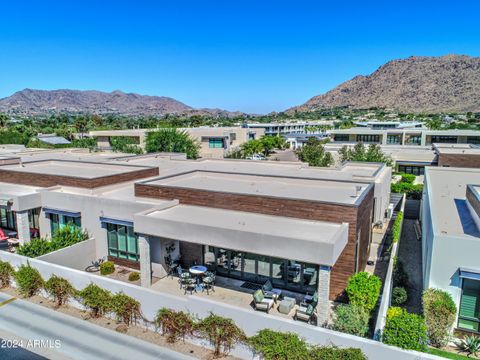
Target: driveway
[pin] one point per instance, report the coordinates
(48, 330)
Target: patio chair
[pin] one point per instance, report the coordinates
(308, 299)
(208, 284)
(305, 313)
(190, 286)
(3, 237)
(270, 292)
(261, 302)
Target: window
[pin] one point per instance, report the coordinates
(413, 139)
(411, 169)
(443, 139)
(473, 140)
(122, 242)
(368, 138)
(233, 136)
(394, 139)
(342, 137)
(215, 143)
(469, 314)
(59, 221)
(7, 219)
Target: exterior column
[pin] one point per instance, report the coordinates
(323, 306)
(145, 263)
(23, 227)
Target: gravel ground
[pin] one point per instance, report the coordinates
(410, 252)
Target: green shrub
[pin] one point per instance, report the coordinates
(440, 312)
(95, 298)
(413, 191)
(6, 273)
(400, 276)
(408, 178)
(66, 236)
(405, 330)
(134, 276)
(222, 333)
(126, 308)
(174, 324)
(351, 319)
(107, 268)
(273, 345)
(399, 296)
(397, 227)
(334, 353)
(363, 290)
(29, 281)
(60, 289)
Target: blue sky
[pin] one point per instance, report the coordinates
(254, 56)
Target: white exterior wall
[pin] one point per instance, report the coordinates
(249, 320)
(77, 256)
(91, 209)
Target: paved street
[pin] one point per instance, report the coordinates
(77, 339)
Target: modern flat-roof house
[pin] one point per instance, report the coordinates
(214, 142)
(451, 239)
(458, 155)
(304, 229)
(292, 127)
(404, 136)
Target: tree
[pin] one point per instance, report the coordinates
(269, 143)
(251, 147)
(3, 120)
(313, 153)
(172, 140)
(359, 153)
(81, 124)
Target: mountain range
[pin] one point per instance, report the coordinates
(45, 102)
(416, 84)
(448, 83)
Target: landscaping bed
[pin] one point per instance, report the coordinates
(138, 331)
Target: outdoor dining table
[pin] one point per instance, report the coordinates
(198, 270)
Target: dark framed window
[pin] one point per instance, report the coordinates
(394, 139)
(413, 139)
(215, 143)
(59, 221)
(469, 313)
(122, 242)
(33, 215)
(368, 138)
(411, 169)
(443, 139)
(284, 273)
(7, 219)
(342, 137)
(473, 140)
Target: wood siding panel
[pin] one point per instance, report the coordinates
(44, 180)
(459, 160)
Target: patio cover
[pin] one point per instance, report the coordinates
(315, 242)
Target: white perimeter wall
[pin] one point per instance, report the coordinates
(250, 321)
(77, 256)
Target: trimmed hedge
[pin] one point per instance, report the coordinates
(405, 330)
(351, 319)
(363, 290)
(29, 281)
(397, 227)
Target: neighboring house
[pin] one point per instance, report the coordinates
(291, 127)
(458, 155)
(214, 142)
(451, 239)
(305, 229)
(415, 136)
(295, 141)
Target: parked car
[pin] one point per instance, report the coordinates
(256, 157)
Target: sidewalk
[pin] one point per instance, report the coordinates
(77, 339)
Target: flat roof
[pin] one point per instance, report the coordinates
(78, 169)
(8, 190)
(467, 149)
(447, 196)
(344, 192)
(318, 242)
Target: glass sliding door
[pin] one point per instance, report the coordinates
(284, 273)
(7, 219)
(122, 242)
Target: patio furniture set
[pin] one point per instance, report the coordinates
(196, 279)
(266, 297)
